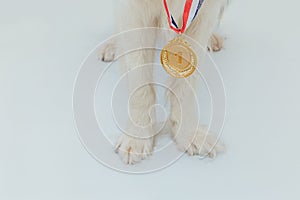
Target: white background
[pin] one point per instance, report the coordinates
(42, 44)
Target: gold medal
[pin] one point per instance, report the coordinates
(178, 58)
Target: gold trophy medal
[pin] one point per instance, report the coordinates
(178, 58)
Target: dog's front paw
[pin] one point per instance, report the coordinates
(216, 43)
(201, 143)
(108, 52)
(132, 150)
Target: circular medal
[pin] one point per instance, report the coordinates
(178, 58)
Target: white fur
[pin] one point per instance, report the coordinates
(151, 13)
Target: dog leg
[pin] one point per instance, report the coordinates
(190, 137)
(137, 142)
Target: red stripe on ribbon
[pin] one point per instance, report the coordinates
(185, 16)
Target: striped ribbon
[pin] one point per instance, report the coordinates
(187, 18)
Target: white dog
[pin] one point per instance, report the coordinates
(138, 144)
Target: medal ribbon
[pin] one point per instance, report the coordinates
(185, 16)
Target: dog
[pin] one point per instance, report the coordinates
(138, 144)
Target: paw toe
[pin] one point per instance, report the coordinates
(216, 43)
(107, 53)
(132, 150)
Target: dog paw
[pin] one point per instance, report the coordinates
(133, 150)
(201, 143)
(107, 53)
(216, 43)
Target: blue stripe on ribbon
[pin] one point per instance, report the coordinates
(173, 22)
(198, 8)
